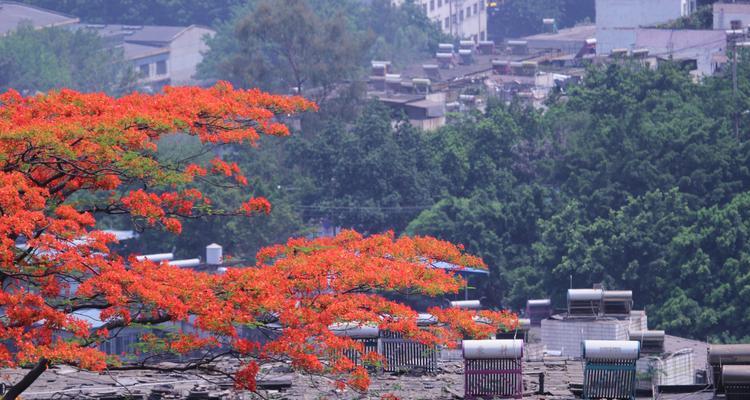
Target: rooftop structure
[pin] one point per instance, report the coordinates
(699, 46)
(160, 54)
(568, 40)
(731, 16)
(13, 13)
(616, 20)
(493, 368)
(610, 371)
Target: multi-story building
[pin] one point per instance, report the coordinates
(465, 19)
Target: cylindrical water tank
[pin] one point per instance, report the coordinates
(214, 254)
(729, 354)
(638, 335)
(492, 349)
(467, 304)
(355, 331)
(618, 295)
(445, 47)
(584, 294)
(611, 350)
(191, 262)
(156, 257)
(424, 319)
(735, 374)
(539, 302)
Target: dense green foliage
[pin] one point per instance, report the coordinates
(143, 12)
(703, 18)
(634, 179)
(38, 60)
(516, 18)
(310, 46)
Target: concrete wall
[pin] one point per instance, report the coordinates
(617, 19)
(609, 39)
(635, 13)
(186, 53)
(668, 369)
(566, 336)
(685, 44)
(724, 14)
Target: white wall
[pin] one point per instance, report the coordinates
(616, 19)
(186, 53)
(724, 14)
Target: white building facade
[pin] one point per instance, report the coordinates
(617, 20)
(465, 19)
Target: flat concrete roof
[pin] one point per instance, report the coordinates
(576, 33)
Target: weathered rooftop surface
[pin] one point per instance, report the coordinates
(13, 13)
(563, 379)
(576, 33)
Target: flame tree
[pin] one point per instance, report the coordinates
(67, 158)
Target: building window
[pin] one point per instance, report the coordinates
(476, 8)
(424, 8)
(161, 67)
(468, 12)
(440, 3)
(447, 22)
(461, 15)
(481, 35)
(481, 4)
(432, 5)
(143, 70)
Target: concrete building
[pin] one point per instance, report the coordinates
(704, 49)
(465, 19)
(726, 13)
(160, 54)
(617, 20)
(13, 13)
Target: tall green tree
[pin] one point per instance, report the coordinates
(143, 12)
(39, 60)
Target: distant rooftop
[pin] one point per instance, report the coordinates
(134, 51)
(154, 35)
(12, 14)
(576, 33)
(663, 42)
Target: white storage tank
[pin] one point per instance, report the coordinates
(492, 349)
(467, 304)
(214, 254)
(159, 257)
(611, 350)
(191, 262)
(355, 331)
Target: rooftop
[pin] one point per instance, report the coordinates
(732, 7)
(134, 51)
(576, 33)
(12, 13)
(668, 41)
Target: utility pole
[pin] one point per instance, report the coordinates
(734, 37)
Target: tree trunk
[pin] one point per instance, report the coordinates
(27, 380)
